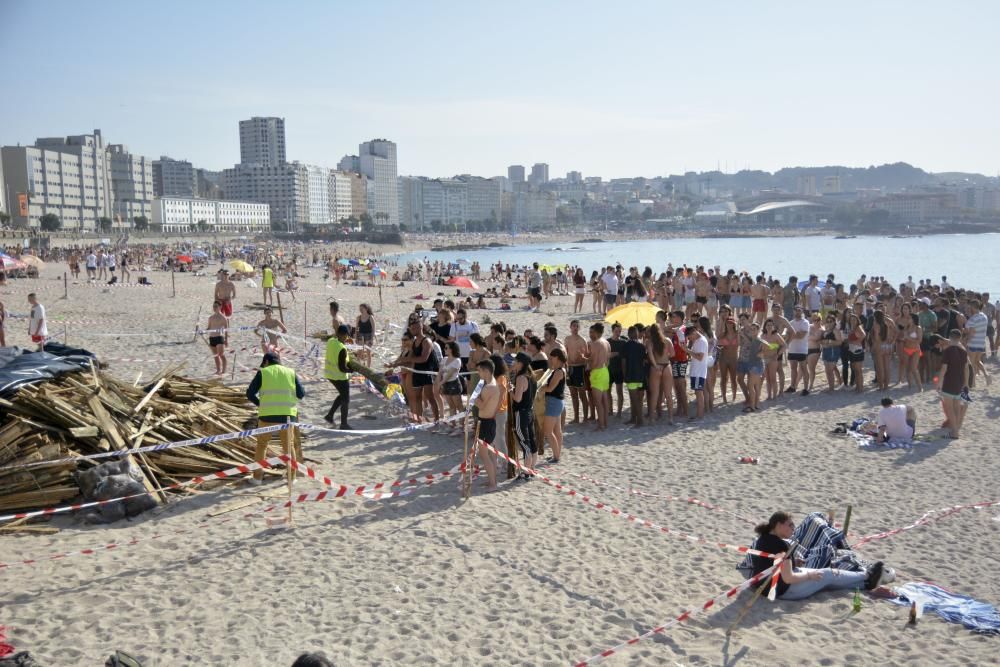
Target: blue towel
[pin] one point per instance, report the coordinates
(980, 617)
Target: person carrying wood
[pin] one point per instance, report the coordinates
(335, 370)
(276, 391)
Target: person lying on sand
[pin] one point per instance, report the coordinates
(799, 583)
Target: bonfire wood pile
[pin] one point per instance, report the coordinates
(89, 413)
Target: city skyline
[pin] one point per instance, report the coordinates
(674, 89)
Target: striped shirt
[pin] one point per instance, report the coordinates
(978, 323)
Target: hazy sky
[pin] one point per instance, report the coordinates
(608, 88)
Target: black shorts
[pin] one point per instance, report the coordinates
(535, 292)
(990, 331)
(678, 369)
(422, 380)
(576, 376)
(216, 340)
(701, 299)
(452, 388)
(856, 356)
(488, 430)
(795, 356)
(617, 376)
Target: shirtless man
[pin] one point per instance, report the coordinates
(335, 315)
(486, 406)
(758, 305)
(269, 338)
(600, 378)
(576, 358)
(550, 336)
(218, 337)
(225, 292)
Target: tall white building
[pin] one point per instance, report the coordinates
(285, 188)
(377, 161)
(320, 210)
(341, 198)
(67, 176)
(180, 214)
(131, 185)
(426, 204)
(262, 141)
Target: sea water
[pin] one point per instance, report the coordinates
(966, 259)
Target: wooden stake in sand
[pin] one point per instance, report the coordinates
(281, 313)
(305, 319)
(173, 285)
(847, 520)
(197, 319)
(760, 590)
(65, 286)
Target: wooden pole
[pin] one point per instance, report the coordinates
(65, 286)
(467, 478)
(759, 592)
(173, 284)
(305, 319)
(847, 520)
(281, 313)
(196, 320)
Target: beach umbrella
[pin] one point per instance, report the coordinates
(376, 271)
(7, 262)
(353, 262)
(184, 259)
(31, 260)
(462, 281)
(345, 262)
(241, 266)
(200, 254)
(630, 314)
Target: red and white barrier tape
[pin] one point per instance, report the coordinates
(924, 520)
(614, 511)
(693, 611)
(657, 496)
(341, 490)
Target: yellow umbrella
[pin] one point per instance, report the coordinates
(241, 266)
(31, 260)
(630, 314)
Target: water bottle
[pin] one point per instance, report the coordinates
(857, 600)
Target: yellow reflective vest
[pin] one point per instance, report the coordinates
(331, 369)
(268, 278)
(277, 392)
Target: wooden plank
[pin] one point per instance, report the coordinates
(149, 395)
(111, 431)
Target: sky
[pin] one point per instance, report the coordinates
(611, 89)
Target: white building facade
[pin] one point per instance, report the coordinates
(182, 214)
(320, 211)
(131, 185)
(377, 161)
(341, 205)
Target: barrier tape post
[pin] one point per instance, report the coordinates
(281, 313)
(65, 286)
(173, 284)
(290, 468)
(197, 319)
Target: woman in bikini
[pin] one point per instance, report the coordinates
(912, 335)
(751, 352)
(883, 336)
(830, 345)
(659, 350)
(579, 290)
(365, 327)
(662, 288)
(597, 291)
(539, 360)
(905, 311)
(816, 332)
(705, 327)
(774, 345)
(729, 347)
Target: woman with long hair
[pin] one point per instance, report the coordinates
(774, 345)
(912, 334)
(659, 350)
(449, 385)
(905, 312)
(799, 583)
(883, 336)
(579, 290)
(729, 348)
(814, 336)
(555, 391)
(753, 354)
(522, 400)
(364, 325)
(597, 291)
(830, 346)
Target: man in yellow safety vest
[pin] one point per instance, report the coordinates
(336, 371)
(276, 391)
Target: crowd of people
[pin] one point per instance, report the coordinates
(713, 332)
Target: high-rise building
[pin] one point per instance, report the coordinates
(174, 178)
(262, 141)
(426, 203)
(320, 211)
(67, 176)
(515, 173)
(574, 177)
(539, 173)
(341, 195)
(377, 161)
(285, 188)
(131, 186)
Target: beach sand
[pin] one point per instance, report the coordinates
(525, 576)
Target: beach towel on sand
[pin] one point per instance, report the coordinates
(865, 433)
(980, 617)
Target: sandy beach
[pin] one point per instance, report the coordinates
(526, 576)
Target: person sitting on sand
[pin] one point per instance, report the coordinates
(799, 583)
(896, 422)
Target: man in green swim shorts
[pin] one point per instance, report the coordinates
(600, 378)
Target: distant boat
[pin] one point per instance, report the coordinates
(845, 237)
